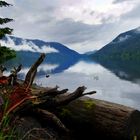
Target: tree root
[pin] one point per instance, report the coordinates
(23, 96)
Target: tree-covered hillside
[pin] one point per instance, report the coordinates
(124, 47)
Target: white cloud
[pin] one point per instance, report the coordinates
(27, 46)
(47, 67)
(85, 68)
(138, 29)
(121, 39)
(102, 10)
(120, 1)
(44, 67)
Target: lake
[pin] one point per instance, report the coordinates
(114, 81)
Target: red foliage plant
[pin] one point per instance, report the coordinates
(18, 96)
(4, 80)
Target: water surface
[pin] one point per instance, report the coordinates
(118, 82)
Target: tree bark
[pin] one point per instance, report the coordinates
(32, 71)
(90, 118)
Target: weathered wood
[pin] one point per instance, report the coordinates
(90, 118)
(52, 98)
(48, 116)
(87, 116)
(2, 69)
(13, 76)
(32, 71)
(79, 92)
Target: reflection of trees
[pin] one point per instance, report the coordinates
(127, 70)
(27, 58)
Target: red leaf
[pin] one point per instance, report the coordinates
(4, 80)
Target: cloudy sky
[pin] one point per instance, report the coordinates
(82, 25)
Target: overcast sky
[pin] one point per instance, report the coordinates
(82, 25)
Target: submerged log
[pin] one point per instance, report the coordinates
(89, 118)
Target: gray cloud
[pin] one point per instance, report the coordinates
(70, 31)
(92, 12)
(42, 20)
(39, 21)
(133, 14)
(119, 1)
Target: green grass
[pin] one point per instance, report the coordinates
(135, 137)
(6, 132)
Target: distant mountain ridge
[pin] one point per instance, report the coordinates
(28, 50)
(125, 46)
(90, 52)
(35, 45)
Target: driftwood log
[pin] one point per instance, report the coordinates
(89, 118)
(83, 118)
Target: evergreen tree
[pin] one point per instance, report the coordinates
(5, 53)
(6, 30)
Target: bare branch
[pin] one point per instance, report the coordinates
(32, 71)
(13, 75)
(46, 115)
(67, 99)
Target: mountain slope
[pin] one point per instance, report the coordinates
(126, 46)
(35, 45)
(27, 51)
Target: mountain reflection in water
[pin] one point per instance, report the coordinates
(114, 81)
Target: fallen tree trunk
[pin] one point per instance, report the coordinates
(89, 118)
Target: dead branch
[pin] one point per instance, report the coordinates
(46, 115)
(52, 92)
(32, 71)
(36, 129)
(60, 98)
(13, 75)
(2, 69)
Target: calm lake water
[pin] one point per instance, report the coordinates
(118, 82)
